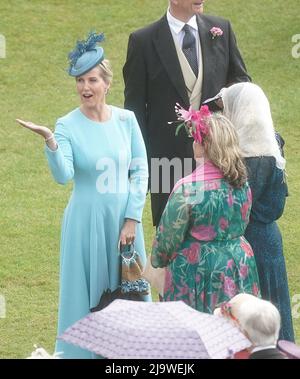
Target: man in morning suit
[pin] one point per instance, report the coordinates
(177, 59)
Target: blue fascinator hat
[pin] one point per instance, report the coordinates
(86, 55)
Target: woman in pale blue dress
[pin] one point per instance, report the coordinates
(100, 148)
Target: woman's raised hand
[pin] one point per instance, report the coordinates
(42, 131)
(39, 129)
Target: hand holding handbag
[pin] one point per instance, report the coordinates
(132, 285)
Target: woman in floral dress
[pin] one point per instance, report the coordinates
(200, 236)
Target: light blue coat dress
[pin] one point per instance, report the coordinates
(108, 164)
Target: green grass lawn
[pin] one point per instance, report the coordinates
(34, 86)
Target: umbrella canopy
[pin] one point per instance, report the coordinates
(155, 330)
(290, 349)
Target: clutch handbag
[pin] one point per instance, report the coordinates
(131, 274)
(132, 286)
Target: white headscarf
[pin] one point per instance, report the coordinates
(248, 108)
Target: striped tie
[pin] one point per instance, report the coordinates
(189, 48)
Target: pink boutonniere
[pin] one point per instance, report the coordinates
(216, 32)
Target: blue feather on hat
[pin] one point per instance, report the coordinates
(83, 47)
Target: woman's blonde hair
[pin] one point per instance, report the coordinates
(222, 149)
(106, 71)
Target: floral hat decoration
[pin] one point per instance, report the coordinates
(226, 310)
(195, 122)
(86, 55)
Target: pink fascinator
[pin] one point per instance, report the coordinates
(195, 122)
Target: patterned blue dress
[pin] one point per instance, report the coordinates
(107, 162)
(269, 192)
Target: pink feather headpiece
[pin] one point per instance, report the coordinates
(195, 122)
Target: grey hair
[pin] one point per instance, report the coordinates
(260, 319)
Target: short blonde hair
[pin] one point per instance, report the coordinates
(106, 71)
(222, 148)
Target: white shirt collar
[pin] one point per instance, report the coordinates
(177, 25)
(259, 348)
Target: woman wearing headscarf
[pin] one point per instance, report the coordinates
(99, 147)
(247, 107)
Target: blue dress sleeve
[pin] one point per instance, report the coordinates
(60, 160)
(138, 173)
(269, 189)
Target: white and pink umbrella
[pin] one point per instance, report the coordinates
(155, 330)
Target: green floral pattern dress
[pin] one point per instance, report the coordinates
(200, 242)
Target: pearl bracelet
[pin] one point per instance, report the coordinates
(49, 138)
